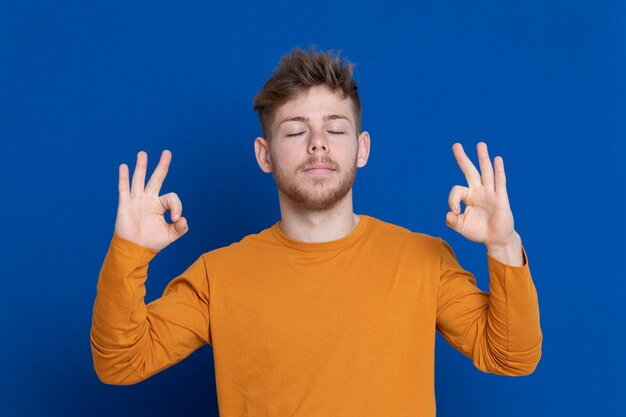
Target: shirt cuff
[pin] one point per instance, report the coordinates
(132, 250)
(501, 267)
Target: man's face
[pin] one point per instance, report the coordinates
(314, 150)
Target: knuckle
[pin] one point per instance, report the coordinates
(455, 191)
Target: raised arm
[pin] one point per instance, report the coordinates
(499, 330)
(130, 340)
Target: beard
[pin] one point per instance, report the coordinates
(315, 193)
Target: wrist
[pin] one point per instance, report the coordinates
(510, 253)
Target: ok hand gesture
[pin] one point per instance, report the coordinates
(140, 211)
(487, 217)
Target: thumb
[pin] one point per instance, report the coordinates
(454, 221)
(179, 228)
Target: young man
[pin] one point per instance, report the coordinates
(325, 313)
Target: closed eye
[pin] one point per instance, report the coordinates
(335, 133)
(294, 134)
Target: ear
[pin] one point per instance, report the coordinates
(262, 151)
(363, 150)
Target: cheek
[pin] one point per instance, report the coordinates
(347, 150)
(283, 158)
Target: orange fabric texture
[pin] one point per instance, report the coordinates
(341, 328)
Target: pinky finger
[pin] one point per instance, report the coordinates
(123, 186)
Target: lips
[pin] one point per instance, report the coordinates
(320, 167)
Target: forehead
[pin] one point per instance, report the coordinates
(315, 103)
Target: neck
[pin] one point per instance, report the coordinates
(307, 225)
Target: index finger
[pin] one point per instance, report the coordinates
(471, 173)
(158, 176)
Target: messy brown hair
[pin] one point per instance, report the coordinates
(300, 70)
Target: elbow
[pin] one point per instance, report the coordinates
(520, 369)
(113, 373)
(515, 363)
(525, 363)
(112, 366)
(105, 378)
(509, 368)
(110, 378)
(520, 363)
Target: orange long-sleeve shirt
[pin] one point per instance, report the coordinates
(341, 328)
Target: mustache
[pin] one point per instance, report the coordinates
(318, 161)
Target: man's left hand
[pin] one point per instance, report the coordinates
(487, 217)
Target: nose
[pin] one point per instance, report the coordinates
(317, 142)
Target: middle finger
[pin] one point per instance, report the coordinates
(139, 176)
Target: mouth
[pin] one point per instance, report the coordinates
(319, 169)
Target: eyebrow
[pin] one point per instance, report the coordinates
(306, 119)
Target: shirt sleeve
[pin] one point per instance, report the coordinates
(131, 341)
(499, 330)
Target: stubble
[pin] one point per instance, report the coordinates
(315, 193)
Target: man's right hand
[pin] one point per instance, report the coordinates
(140, 211)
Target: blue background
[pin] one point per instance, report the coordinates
(84, 86)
